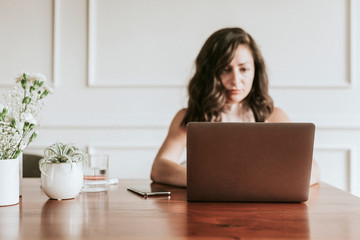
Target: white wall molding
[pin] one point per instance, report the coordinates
(56, 42)
(95, 148)
(348, 82)
(38, 148)
(92, 81)
(161, 121)
(350, 175)
(112, 120)
(55, 47)
(35, 148)
(331, 121)
(91, 41)
(352, 18)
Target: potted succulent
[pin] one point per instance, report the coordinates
(62, 171)
(19, 117)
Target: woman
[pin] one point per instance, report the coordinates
(230, 84)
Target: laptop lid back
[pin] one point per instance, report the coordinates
(251, 162)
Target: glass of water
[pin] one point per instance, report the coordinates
(96, 173)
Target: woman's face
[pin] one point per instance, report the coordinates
(237, 78)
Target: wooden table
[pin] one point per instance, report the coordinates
(119, 214)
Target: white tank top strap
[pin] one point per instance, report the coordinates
(183, 158)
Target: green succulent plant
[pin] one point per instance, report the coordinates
(62, 153)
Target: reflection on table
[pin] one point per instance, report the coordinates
(121, 214)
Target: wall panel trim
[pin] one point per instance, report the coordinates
(84, 120)
(55, 45)
(94, 148)
(56, 42)
(349, 150)
(348, 83)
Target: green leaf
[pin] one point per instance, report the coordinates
(17, 153)
(44, 94)
(4, 111)
(26, 100)
(3, 114)
(13, 123)
(26, 126)
(33, 136)
(23, 83)
(62, 153)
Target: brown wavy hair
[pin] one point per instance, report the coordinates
(207, 96)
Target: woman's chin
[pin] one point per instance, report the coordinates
(235, 99)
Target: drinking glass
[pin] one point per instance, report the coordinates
(96, 173)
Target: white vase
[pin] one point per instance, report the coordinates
(9, 182)
(62, 180)
(20, 157)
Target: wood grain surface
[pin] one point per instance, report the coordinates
(120, 214)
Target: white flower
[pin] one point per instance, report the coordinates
(31, 77)
(28, 117)
(23, 146)
(19, 78)
(23, 104)
(49, 89)
(10, 116)
(36, 76)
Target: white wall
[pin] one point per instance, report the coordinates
(120, 69)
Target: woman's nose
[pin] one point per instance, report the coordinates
(236, 79)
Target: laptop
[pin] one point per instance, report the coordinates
(249, 162)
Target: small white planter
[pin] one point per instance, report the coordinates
(9, 182)
(62, 180)
(20, 158)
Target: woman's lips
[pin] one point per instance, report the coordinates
(235, 92)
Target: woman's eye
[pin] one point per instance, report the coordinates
(226, 70)
(244, 69)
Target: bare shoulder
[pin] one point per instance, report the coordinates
(278, 115)
(176, 124)
(179, 116)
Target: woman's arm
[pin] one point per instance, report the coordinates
(279, 115)
(315, 173)
(165, 168)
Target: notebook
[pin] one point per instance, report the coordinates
(249, 162)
